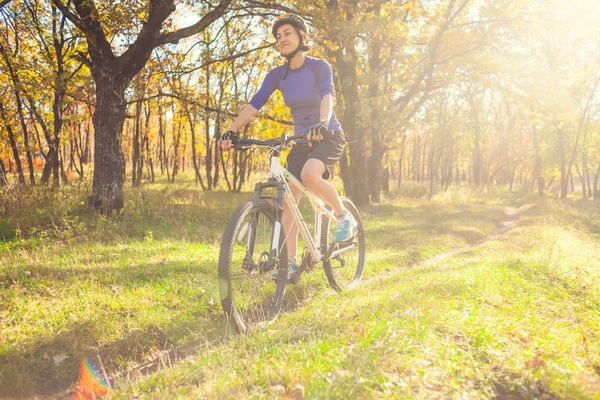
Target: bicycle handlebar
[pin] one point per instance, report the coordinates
(244, 144)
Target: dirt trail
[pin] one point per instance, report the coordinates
(511, 222)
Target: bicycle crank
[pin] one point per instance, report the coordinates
(337, 249)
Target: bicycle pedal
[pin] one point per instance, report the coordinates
(347, 242)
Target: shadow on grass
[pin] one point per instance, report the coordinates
(435, 221)
(123, 276)
(38, 368)
(33, 370)
(41, 370)
(510, 385)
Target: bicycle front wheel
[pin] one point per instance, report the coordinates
(344, 271)
(248, 293)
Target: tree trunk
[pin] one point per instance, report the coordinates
(17, 92)
(217, 136)
(3, 180)
(60, 91)
(225, 172)
(424, 158)
(13, 144)
(564, 182)
(571, 180)
(149, 161)
(51, 157)
(377, 150)
(63, 175)
(242, 167)
(135, 144)
(355, 182)
(538, 163)
(165, 151)
(586, 174)
(86, 147)
(386, 180)
(26, 141)
(415, 158)
(582, 179)
(162, 152)
(194, 156)
(176, 132)
(79, 150)
(208, 158)
(448, 169)
(433, 165)
(109, 164)
(477, 157)
(597, 184)
(143, 145)
(248, 167)
(401, 161)
(236, 174)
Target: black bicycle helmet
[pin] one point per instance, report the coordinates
(297, 22)
(288, 18)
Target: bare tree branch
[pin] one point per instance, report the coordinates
(205, 21)
(229, 58)
(428, 70)
(94, 32)
(209, 109)
(4, 2)
(272, 6)
(70, 16)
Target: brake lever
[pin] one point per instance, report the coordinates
(241, 147)
(328, 133)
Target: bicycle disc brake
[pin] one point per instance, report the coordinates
(307, 262)
(263, 262)
(249, 265)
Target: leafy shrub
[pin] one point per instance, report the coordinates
(7, 232)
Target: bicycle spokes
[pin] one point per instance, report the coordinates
(249, 295)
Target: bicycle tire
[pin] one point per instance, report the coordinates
(353, 275)
(234, 303)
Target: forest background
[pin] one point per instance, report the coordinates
(443, 92)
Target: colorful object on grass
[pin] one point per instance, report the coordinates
(92, 384)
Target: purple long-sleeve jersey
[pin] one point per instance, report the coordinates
(303, 89)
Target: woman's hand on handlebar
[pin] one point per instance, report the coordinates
(316, 132)
(228, 140)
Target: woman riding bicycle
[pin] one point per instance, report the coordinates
(307, 87)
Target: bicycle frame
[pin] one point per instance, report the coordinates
(281, 179)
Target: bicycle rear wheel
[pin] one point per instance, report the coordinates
(345, 271)
(247, 291)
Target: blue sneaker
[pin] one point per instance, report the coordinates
(346, 228)
(293, 267)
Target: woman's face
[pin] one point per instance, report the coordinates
(287, 39)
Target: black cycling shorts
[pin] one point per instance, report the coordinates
(329, 150)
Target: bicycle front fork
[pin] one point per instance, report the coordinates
(273, 257)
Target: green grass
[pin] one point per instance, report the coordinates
(518, 315)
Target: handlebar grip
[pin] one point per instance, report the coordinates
(328, 133)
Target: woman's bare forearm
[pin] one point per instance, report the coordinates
(326, 108)
(245, 116)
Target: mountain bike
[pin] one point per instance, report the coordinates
(254, 244)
